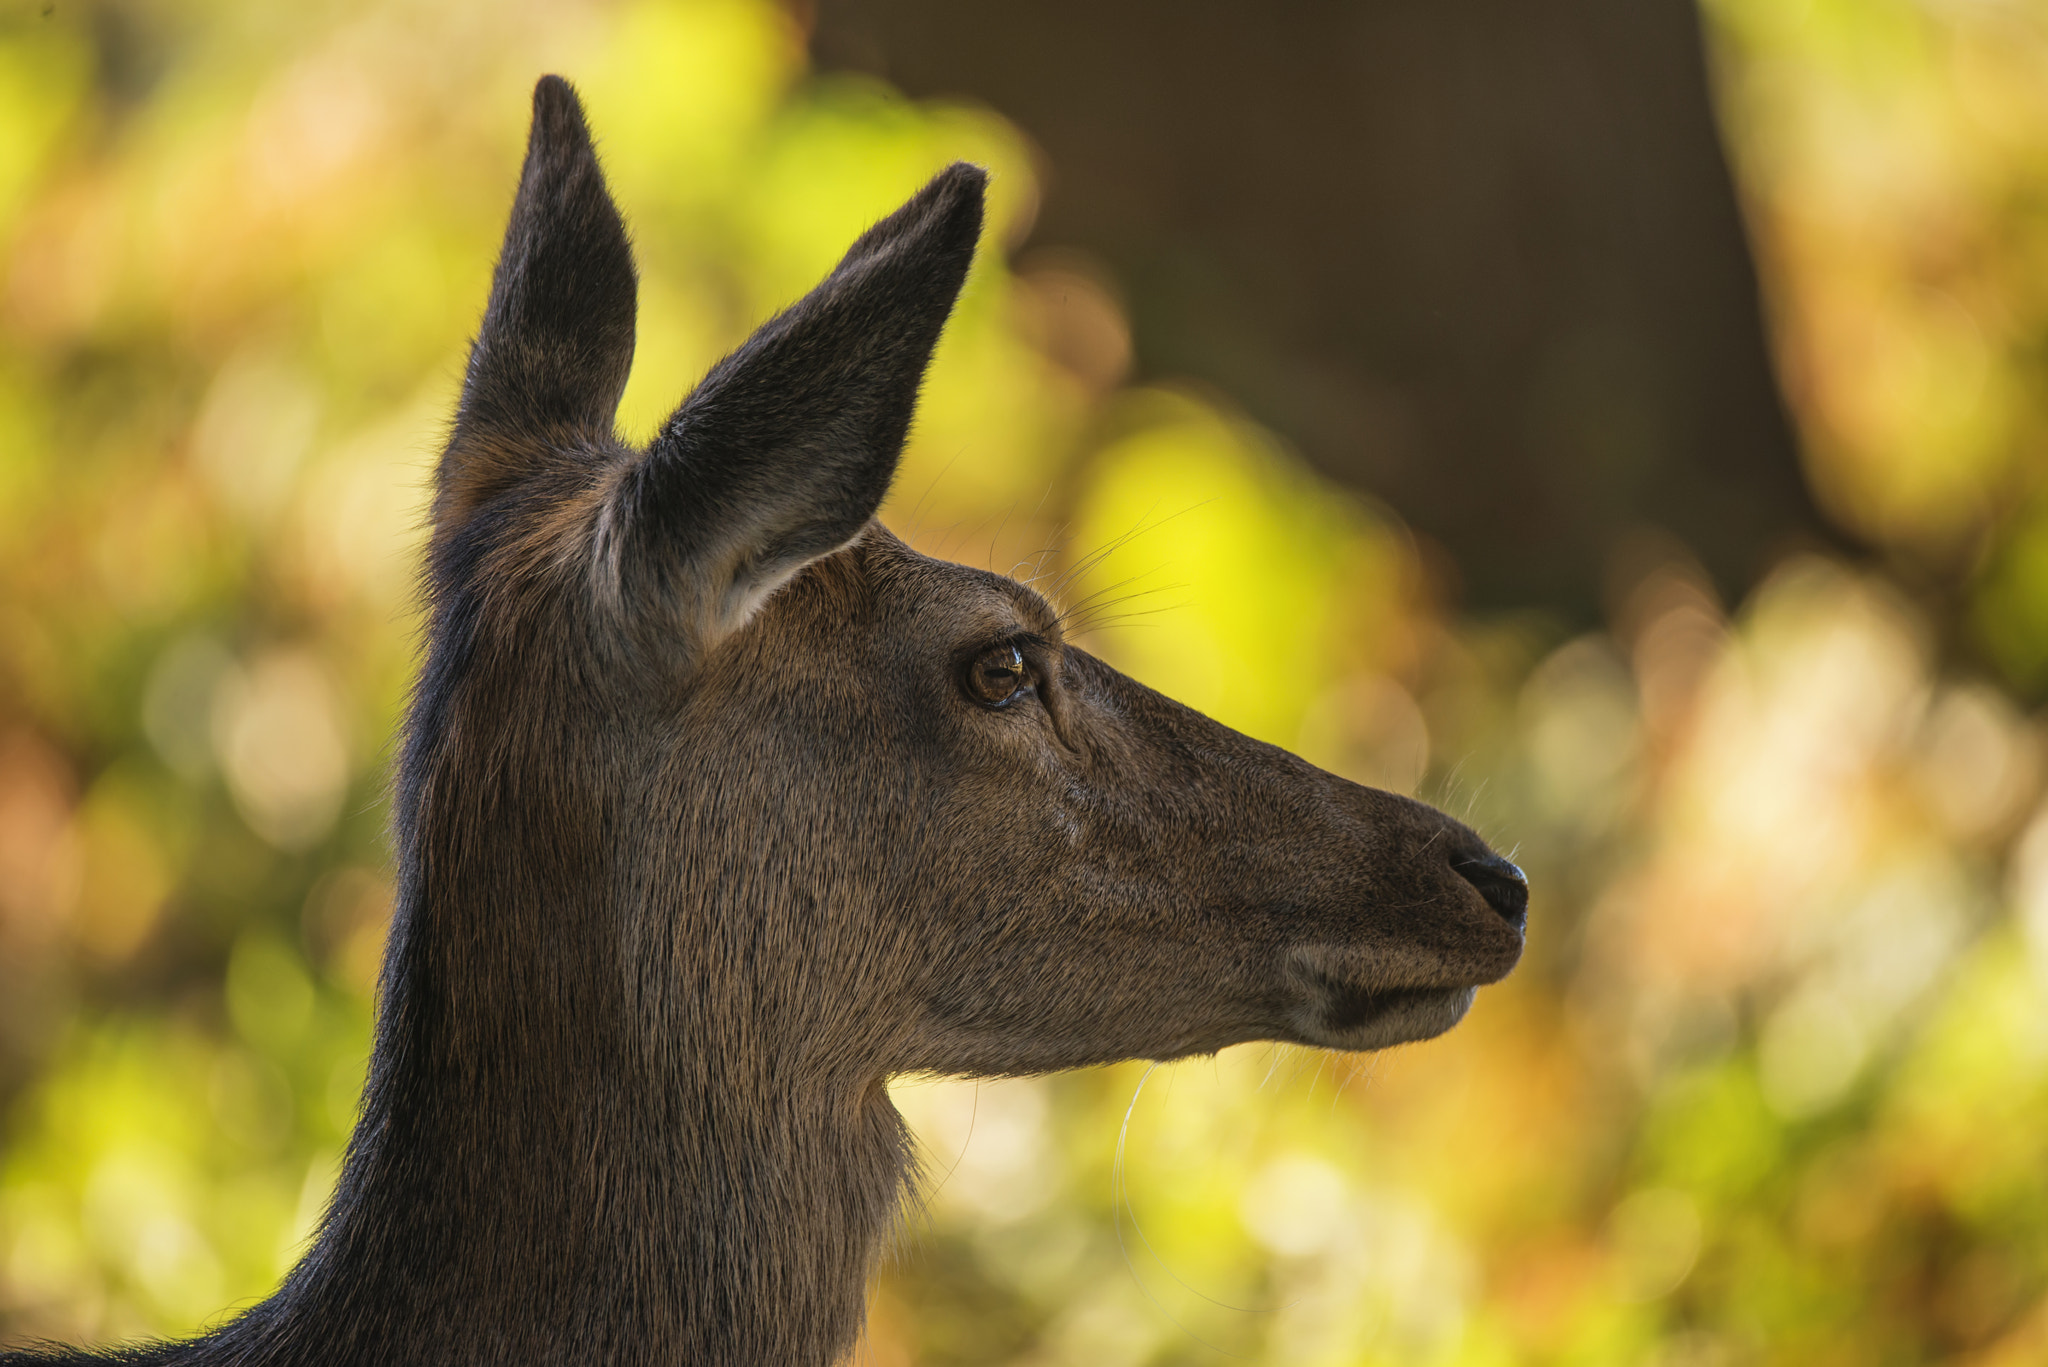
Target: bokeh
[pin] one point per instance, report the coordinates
(1772, 1085)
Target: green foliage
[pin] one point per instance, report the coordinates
(1773, 1084)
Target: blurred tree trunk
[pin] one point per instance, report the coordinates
(1480, 258)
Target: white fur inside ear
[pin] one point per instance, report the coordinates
(607, 547)
(749, 586)
(750, 582)
(714, 596)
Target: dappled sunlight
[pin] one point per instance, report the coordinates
(1212, 565)
(1772, 1084)
(1893, 158)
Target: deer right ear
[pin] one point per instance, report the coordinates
(784, 451)
(551, 357)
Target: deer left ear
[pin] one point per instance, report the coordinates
(551, 358)
(784, 451)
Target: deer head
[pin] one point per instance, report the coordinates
(719, 805)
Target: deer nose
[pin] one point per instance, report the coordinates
(1504, 886)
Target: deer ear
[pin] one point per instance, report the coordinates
(551, 358)
(785, 450)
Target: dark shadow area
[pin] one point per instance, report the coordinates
(1480, 259)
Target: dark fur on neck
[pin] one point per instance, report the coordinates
(581, 1140)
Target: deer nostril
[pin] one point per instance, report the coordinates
(1503, 885)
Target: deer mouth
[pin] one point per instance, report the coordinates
(1338, 1011)
(1350, 1009)
(1355, 1018)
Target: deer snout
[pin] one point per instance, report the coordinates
(1504, 886)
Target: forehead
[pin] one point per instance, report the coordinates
(957, 599)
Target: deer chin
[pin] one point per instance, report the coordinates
(1352, 1017)
(1344, 1000)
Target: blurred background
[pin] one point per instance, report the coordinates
(1618, 422)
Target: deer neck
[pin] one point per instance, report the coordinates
(536, 1178)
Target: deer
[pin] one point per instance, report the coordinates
(718, 806)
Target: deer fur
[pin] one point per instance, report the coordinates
(709, 820)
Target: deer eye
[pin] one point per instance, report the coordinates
(998, 677)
